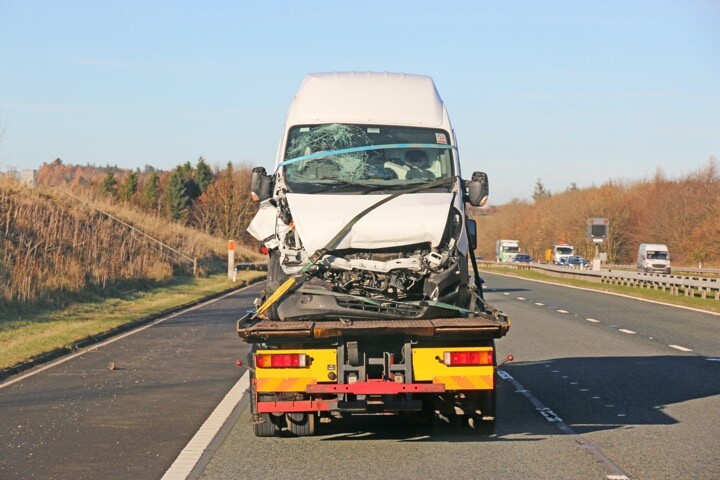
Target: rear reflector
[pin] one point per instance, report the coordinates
(280, 360)
(454, 359)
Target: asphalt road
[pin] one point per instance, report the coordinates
(601, 387)
(81, 420)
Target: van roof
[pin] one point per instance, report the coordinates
(368, 98)
(654, 246)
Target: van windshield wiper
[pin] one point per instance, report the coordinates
(338, 184)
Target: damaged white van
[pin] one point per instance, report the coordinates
(366, 205)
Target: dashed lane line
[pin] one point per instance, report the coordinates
(625, 330)
(592, 320)
(563, 311)
(681, 348)
(614, 472)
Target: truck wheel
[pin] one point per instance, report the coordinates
(488, 405)
(268, 425)
(301, 424)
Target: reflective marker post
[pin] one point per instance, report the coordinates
(231, 258)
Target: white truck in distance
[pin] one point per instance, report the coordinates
(653, 257)
(506, 250)
(561, 252)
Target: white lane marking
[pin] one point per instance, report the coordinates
(595, 398)
(539, 304)
(188, 458)
(584, 389)
(563, 311)
(713, 359)
(607, 293)
(521, 298)
(592, 320)
(620, 414)
(625, 330)
(119, 337)
(573, 383)
(613, 471)
(506, 293)
(610, 406)
(681, 348)
(617, 477)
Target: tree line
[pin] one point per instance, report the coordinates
(683, 213)
(213, 200)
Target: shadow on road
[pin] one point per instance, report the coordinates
(588, 394)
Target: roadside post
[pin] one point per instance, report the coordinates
(597, 234)
(231, 258)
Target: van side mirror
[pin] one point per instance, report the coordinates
(260, 184)
(477, 189)
(471, 226)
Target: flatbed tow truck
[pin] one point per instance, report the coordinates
(309, 371)
(370, 306)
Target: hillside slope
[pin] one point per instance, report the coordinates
(53, 246)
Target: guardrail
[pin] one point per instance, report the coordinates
(672, 284)
(713, 271)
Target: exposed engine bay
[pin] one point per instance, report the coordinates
(409, 281)
(365, 222)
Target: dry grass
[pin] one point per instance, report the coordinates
(44, 330)
(53, 248)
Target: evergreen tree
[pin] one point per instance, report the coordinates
(540, 192)
(177, 196)
(151, 194)
(204, 176)
(187, 173)
(573, 187)
(129, 187)
(109, 185)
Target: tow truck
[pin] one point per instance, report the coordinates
(369, 306)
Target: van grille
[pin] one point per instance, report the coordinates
(387, 308)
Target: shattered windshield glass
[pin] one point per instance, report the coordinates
(382, 159)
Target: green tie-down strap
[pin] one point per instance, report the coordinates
(430, 303)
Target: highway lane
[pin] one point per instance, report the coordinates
(81, 420)
(629, 404)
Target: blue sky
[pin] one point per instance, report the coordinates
(571, 91)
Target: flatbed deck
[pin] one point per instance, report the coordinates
(254, 331)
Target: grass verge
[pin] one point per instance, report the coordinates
(708, 304)
(44, 330)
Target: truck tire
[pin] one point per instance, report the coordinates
(276, 277)
(301, 424)
(268, 425)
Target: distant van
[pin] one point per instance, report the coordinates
(653, 257)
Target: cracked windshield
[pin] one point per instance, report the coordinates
(385, 167)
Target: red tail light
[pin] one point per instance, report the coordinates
(281, 360)
(263, 249)
(469, 358)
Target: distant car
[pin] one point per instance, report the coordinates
(523, 258)
(576, 261)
